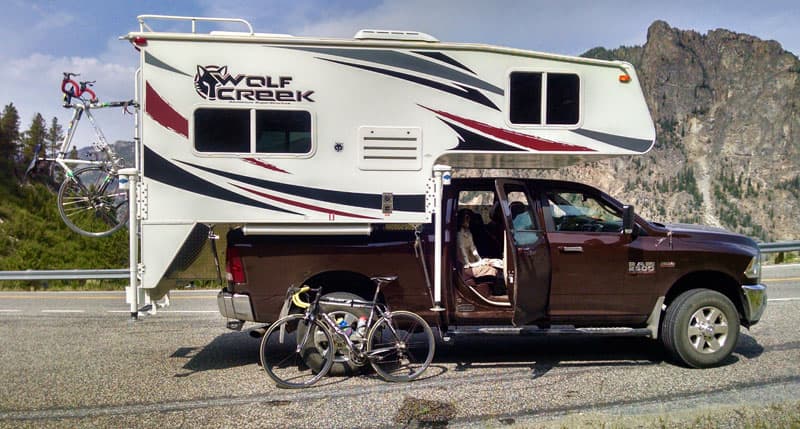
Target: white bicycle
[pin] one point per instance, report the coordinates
(89, 199)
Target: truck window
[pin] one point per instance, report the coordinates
(247, 131)
(580, 212)
(523, 223)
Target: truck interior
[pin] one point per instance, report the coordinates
(487, 230)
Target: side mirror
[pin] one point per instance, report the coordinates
(628, 216)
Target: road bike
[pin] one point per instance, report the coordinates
(90, 200)
(298, 350)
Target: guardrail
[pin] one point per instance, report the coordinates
(781, 246)
(122, 273)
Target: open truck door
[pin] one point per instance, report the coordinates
(526, 253)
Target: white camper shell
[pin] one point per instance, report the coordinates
(306, 135)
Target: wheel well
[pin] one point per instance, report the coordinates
(344, 281)
(714, 280)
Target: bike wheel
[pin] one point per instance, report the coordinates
(284, 351)
(91, 203)
(400, 346)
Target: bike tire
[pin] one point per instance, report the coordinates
(284, 354)
(400, 346)
(91, 203)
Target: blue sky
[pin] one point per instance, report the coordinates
(43, 38)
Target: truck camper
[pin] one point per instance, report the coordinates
(329, 161)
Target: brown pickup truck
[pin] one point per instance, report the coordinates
(568, 259)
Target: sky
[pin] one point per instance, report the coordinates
(41, 39)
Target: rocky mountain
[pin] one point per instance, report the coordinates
(122, 148)
(727, 112)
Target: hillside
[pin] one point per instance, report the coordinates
(33, 236)
(727, 113)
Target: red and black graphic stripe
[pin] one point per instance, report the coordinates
(406, 203)
(474, 141)
(157, 168)
(513, 137)
(163, 113)
(302, 205)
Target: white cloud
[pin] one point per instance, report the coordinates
(36, 88)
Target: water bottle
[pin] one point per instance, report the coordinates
(362, 325)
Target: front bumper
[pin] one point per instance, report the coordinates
(235, 306)
(754, 298)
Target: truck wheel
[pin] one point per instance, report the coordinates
(341, 360)
(700, 328)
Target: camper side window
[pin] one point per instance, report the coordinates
(222, 130)
(560, 92)
(248, 131)
(283, 131)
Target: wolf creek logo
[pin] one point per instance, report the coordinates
(215, 83)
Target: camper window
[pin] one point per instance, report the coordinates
(526, 98)
(283, 131)
(246, 131)
(562, 98)
(222, 130)
(561, 93)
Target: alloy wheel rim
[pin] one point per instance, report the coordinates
(708, 330)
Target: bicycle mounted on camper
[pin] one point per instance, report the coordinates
(89, 199)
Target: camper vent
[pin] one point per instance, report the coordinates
(408, 36)
(390, 148)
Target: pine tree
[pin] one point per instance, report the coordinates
(54, 136)
(9, 138)
(35, 136)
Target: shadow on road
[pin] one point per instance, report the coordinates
(229, 350)
(540, 354)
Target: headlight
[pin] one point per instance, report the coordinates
(753, 270)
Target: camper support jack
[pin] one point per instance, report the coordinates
(441, 177)
(128, 177)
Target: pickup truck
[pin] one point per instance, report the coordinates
(574, 260)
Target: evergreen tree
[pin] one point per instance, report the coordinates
(35, 136)
(9, 138)
(54, 136)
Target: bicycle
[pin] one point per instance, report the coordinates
(298, 350)
(89, 199)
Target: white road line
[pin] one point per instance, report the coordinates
(9, 311)
(782, 299)
(169, 311)
(63, 311)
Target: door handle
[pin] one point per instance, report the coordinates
(571, 249)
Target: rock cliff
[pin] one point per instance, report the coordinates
(727, 112)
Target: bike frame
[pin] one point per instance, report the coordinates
(313, 313)
(80, 108)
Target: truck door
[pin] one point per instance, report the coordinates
(589, 255)
(526, 254)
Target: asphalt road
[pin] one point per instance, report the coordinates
(75, 360)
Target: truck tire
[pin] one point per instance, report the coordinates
(700, 328)
(342, 365)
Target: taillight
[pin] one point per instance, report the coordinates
(234, 267)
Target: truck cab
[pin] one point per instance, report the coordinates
(574, 260)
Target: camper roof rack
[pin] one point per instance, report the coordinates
(193, 19)
(408, 36)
